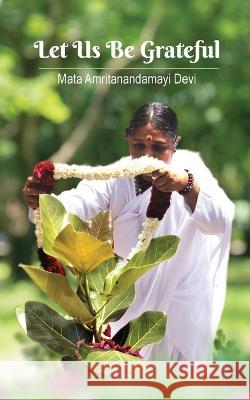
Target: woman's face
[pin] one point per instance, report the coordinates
(150, 141)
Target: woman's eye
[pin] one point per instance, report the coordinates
(139, 146)
(158, 149)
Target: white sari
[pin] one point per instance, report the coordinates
(191, 286)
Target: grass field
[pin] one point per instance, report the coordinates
(235, 322)
(236, 316)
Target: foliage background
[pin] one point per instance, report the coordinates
(84, 124)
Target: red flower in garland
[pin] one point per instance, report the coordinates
(44, 171)
(50, 263)
(159, 203)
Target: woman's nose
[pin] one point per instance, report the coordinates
(149, 152)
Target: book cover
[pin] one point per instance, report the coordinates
(72, 75)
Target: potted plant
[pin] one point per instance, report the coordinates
(93, 286)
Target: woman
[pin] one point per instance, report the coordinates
(191, 286)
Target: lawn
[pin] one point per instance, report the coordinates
(235, 322)
(236, 316)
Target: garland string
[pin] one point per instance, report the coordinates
(48, 172)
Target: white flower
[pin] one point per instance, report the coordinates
(149, 227)
(120, 169)
(38, 230)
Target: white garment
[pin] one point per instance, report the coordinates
(191, 286)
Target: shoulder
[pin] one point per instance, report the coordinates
(187, 159)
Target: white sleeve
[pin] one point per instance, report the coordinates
(87, 199)
(213, 210)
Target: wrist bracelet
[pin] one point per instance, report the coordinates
(190, 183)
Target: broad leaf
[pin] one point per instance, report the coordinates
(54, 218)
(59, 290)
(116, 306)
(96, 278)
(20, 314)
(90, 354)
(113, 309)
(149, 328)
(101, 227)
(46, 326)
(81, 250)
(160, 249)
(96, 300)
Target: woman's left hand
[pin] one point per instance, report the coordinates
(170, 181)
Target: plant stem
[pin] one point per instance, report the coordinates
(102, 307)
(87, 327)
(85, 289)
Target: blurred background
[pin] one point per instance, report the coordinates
(85, 123)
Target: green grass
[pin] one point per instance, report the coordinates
(236, 317)
(235, 320)
(12, 296)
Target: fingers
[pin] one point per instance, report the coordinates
(157, 174)
(32, 189)
(32, 179)
(163, 188)
(35, 185)
(163, 183)
(31, 200)
(170, 181)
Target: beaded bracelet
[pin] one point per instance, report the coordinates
(190, 183)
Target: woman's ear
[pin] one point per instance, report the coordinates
(178, 138)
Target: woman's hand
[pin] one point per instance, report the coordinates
(31, 191)
(176, 180)
(170, 181)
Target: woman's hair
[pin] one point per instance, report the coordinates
(159, 115)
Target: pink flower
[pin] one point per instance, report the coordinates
(50, 263)
(159, 203)
(44, 171)
(110, 345)
(107, 331)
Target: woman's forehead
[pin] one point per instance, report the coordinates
(149, 130)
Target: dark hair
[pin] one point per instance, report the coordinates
(159, 115)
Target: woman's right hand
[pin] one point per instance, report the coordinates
(33, 187)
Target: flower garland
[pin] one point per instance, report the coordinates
(47, 172)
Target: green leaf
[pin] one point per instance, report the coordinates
(101, 227)
(116, 306)
(96, 300)
(96, 278)
(89, 354)
(81, 250)
(46, 326)
(59, 290)
(149, 328)
(54, 218)
(160, 249)
(20, 314)
(217, 344)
